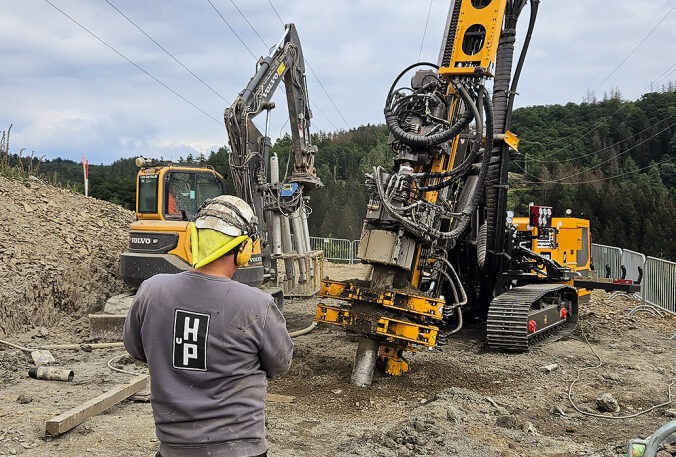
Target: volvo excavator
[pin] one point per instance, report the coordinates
(168, 196)
(437, 232)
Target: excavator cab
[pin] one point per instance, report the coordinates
(173, 193)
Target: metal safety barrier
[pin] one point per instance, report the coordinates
(659, 284)
(335, 249)
(634, 264)
(607, 261)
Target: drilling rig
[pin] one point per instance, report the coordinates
(437, 231)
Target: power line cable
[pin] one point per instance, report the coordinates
(570, 159)
(611, 158)
(617, 56)
(247, 21)
(132, 62)
(635, 48)
(315, 74)
(306, 62)
(327, 94)
(275, 10)
(606, 178)
(166, 51)
(232, 30)
(427, 21)
(578, 136)
(325, 116)
(663, 76)
(560, 180)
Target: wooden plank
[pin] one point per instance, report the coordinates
(75, 416)
(277, 398)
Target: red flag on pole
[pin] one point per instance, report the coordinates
(85, 169)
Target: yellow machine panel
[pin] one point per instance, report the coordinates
(475, 38)
(566, 241)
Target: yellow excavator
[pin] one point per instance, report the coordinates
(437, 232)
(168, 195)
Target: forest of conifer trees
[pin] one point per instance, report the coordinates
(611, 161)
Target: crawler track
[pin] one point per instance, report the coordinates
(536, 305)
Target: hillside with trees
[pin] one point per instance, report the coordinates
(611, 161)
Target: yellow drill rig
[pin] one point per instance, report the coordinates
(437, 232)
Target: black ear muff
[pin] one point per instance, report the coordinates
(243, 254)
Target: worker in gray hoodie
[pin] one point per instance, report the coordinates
(210, 342)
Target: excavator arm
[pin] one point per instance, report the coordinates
(255, 171)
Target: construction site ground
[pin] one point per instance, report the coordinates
(458, 400)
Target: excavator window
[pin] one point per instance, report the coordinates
(147, 190)
(185, 192)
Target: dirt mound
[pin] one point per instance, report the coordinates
(59, 253)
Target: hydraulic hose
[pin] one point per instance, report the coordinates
(411, 139)
(303, 331)
(469, 160)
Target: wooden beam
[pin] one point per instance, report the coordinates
(75, 416)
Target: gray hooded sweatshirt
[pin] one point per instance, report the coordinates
(210, 343)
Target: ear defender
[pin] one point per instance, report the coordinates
(243, 254)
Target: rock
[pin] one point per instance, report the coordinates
(606, 403)
(506, 422)
(65, 254)
(24, 399)
(549, 368)
(528, 427)
(670, 412)
(557, 410)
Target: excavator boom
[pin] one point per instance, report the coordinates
(255, 171)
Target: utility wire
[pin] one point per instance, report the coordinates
(635, 48)
(427, 21)
(327, 94)
(315, 75)
(668, 72)
(166, 52)
(588, 98)
(325, 116)
(611, 158)
(247, 21)
(605, 178)
(132, 62)
(570, 159)
(578, 136)
(268, 47)
(275, 10)
(561, 180)
(233, 30)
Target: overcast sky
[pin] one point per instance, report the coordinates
(67, 94)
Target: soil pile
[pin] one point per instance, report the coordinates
(59, 253)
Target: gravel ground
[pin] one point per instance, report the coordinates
(460, 400)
